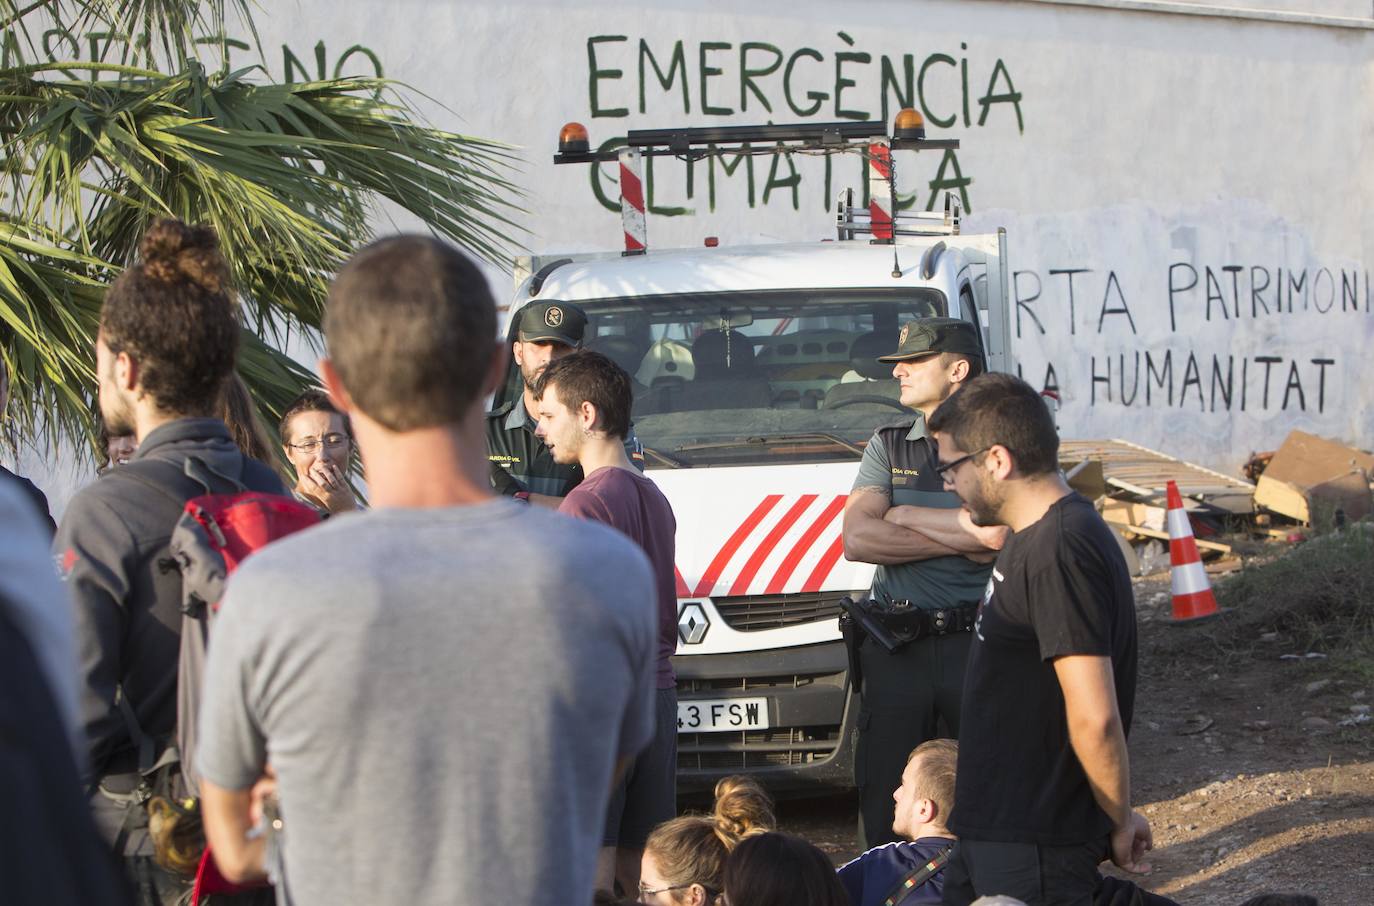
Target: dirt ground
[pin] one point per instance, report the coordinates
(1256, 771)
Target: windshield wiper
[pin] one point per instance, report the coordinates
(768, 440)
(665, 458)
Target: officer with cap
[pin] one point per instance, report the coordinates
(933, 565)
(521, 466)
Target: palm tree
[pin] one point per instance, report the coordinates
(287, 174)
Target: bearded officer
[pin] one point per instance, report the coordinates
(521, 466)
(933, 564)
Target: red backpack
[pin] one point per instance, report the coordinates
(213, 536)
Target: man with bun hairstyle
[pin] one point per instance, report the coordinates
(169, 332)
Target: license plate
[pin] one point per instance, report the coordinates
(720, 715)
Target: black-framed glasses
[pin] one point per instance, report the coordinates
(944, 470)
(645, 891)
(332, 441)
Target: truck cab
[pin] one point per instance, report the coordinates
(756, 389)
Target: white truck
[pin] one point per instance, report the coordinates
(756, 391)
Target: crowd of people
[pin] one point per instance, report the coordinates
(456, 695)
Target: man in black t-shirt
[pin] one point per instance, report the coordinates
(1043, 790)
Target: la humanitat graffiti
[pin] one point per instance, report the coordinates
(1211, 317)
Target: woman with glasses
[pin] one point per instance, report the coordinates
(319, 443)
(684, 859)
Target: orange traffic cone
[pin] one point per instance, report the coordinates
(1193, 598)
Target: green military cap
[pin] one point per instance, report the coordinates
(560, 322)
(926, 336)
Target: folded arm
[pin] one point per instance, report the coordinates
(870, 538)
(951, 527)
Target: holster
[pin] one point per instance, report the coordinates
(853, 636)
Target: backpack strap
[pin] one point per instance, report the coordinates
(907, 885)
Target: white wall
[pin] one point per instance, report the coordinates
(1142, 148)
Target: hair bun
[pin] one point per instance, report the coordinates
(742, 808)
(174, 252)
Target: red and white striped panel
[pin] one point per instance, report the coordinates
(632, 201)
(786, 544)
(880, 200)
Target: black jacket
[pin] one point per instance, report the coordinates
(40, 501)
(112, 550)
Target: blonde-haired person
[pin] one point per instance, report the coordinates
(684, 859)
(922, 806)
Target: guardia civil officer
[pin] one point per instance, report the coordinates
(521, 465)
(933, 564)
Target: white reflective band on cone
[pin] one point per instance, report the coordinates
(1189, 579)
(1179, 526)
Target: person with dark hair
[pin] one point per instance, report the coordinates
(318, 441)
(521, 466)
(168, 337)
(932, 565)
(1052, 668)
(684, 859)
(113, 449)
(923, 804)
(447, 690)
(781, 870)
(583, 404)
(240, 415)
(30, 490)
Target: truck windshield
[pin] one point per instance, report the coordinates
(750, 377)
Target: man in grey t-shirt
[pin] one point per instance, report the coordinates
(443, 687)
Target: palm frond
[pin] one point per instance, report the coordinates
(290, 177)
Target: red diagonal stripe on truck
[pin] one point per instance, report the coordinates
(799, 551)
(708, 580)
(682, 590)
(751, 568)
(823, 568)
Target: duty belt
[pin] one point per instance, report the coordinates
(893, 624)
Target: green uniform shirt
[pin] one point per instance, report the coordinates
(908, 476)
(521, 462)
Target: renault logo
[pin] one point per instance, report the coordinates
(692, 624)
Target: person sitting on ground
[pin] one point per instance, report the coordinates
(318, 440)
(923, 803)
(781, 870)
(684, 859)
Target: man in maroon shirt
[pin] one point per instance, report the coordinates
(584, 415)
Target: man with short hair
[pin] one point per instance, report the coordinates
(521, 466)
(583, 402)
(447, 682)
(318, 441)
(932, 566)
(923, 803)
(168, 340)
(1051, 670)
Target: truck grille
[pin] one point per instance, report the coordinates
(752, 613)
(747, 749)
(778, 747)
